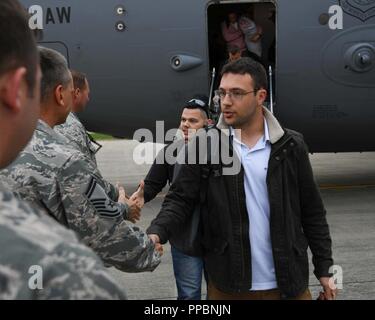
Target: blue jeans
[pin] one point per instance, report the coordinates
(188, 272)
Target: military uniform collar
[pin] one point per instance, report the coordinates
(73, 115)
(43, 126)
(46, 129)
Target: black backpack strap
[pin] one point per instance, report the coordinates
(206, 170)
(205, 173)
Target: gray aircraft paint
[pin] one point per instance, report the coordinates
(128, 50)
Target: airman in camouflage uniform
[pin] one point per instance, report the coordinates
(69, 270)
(73, 129)
(77, 136)
(69, 186)
(75, 133)
(30, 239)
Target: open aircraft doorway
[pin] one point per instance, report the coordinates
(256, 35)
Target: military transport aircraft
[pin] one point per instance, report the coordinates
(144, 58)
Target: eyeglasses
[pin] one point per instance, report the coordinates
(233, 94)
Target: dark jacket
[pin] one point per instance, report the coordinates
(158, 176)
(297, 217)
(184, 236)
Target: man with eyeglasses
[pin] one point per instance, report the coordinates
(259, 222)
(68, 186)
(187, 265)
(73, 129)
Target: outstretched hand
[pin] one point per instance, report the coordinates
(156, 240)
(134, 211)
(139, 195)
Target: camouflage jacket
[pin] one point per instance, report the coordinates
(69, 187)
(77, 136)
(40, 259)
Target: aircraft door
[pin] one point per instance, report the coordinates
(258, 33)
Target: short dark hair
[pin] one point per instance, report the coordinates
(79, 79)
(55, 71)
(17, 42)
(199, 101)
(248, 66)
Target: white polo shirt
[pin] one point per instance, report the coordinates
(255, 164)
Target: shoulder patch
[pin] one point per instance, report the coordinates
(105, 207)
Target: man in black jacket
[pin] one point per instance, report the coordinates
(187, 268)
(257, 223)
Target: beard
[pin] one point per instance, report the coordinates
(238, 122)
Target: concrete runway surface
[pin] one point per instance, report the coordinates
(347, 182)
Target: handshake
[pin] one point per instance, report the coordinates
(135, 204)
